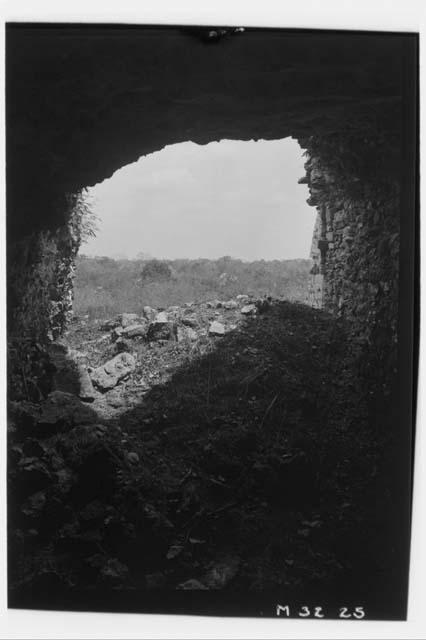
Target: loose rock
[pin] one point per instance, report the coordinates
(86, 392)
(192, 585)
(128, 319)
(161, 317)
(216, 329)
(63, 410)
(248, 309)
(133, 457)
(108, 325)
(115, 399)
(116, 333)
(149, 313)
(134, 330)
(160, 331)
(190, 321)
(231, 304)
(109, 375)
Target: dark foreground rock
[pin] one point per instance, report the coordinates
(86, 391)
(227, 463)
(161, 330)
(61, 411)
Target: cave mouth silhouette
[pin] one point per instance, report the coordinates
(102, 96)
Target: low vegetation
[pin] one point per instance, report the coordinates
(104, 287)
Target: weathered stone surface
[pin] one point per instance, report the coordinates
(191, 334)
(160, 331)
(108, 325)
(248, 309)
(149, 313)
(133, 457)
(115, 399)
(116, 333)
(181, 334)
(162, 316)
(216, 329)
(356, 247)
(135, 330)
(109, 375)
(127, 319)
(230, 304)
(190, 321)
(63, 410)
(76, 355)
(86, 391)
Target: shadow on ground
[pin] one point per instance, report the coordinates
(255, 474)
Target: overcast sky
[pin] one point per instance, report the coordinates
(189, 201)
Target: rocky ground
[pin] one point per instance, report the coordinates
(222, 445)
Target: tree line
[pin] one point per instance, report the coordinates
(105, 286)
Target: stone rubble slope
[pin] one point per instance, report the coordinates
(138, 351)
(194, 448)
(189, 323)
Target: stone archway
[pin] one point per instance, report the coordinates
(84, 101)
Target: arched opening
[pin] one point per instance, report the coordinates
(273, 437)
(189, 206)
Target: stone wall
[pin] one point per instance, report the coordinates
(41, 270)
(315, 292)
(356, 247)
